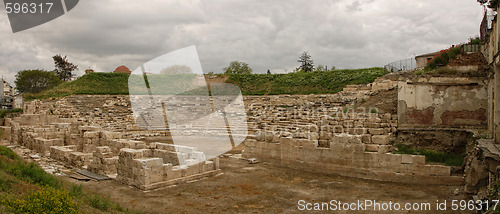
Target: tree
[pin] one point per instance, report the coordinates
(321, 68)
(64, 68)
(306, 63)
(268, 71)
(236, 67)
(177, 69)
(34, 81)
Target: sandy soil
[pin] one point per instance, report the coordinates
(264, 188)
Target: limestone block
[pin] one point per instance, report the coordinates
(377, 131)
(440, 170)
(5, 133)
(80, 159)
(372, 147)
(347, 139)
(418, 160)
(131, 153)
(407, 159)
(174, 173)
(381, 139)
(194, 169)
(382, 149)
(366, 138)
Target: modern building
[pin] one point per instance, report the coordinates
(423, 59)
(7, 96)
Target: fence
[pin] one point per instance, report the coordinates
(402, 65)
(472, 48)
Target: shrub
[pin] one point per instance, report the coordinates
(443, 58)
(46, 200)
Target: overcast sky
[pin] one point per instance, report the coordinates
(265, 34)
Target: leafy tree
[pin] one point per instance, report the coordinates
(236, 67)
(177, 69)
(34, 81)
(64, 68)
(475, 41)
(306, 63)
(490, 3)
(321, 68)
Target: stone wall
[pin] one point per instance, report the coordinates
(99, 133)
(112, 153)
(452, 102)
(348, 155)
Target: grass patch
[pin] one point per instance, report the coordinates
(324, 82)
(449, 159)
(320, 82)
(102, 203)
(94, 83)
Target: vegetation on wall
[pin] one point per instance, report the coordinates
(443, 57)
(446, 158)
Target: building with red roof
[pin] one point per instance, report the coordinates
(122, 69)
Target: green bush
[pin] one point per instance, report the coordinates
(47, 200)
(443, 58)
(4, 113)
(446, 158)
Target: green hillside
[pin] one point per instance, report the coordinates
(26, 188)
(94, 83)
(328, 82)
(251, 84)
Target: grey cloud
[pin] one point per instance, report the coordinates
(265, 34)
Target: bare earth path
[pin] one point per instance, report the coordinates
(263, 188)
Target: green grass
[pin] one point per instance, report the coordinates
(449, 159)
(94, 83)
(26, 188)
(325, 82)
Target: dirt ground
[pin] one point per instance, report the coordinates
(384, 101)
(265, 188)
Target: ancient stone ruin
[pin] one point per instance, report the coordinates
(325, 133)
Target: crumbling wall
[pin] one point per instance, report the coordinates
(482, 168)
(458, 102)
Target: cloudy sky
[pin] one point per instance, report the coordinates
(265, 34)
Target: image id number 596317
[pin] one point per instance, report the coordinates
(28, 7)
